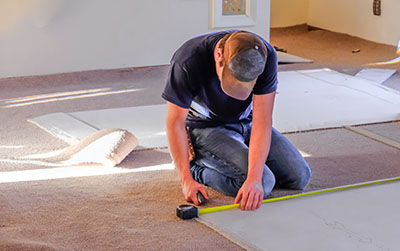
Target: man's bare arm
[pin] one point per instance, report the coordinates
(178, 147)
(251, 193)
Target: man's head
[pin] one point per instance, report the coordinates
(240, 58)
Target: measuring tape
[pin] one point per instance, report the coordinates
(189, 211)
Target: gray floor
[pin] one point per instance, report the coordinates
(358, 219)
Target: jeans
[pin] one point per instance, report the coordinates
(221, 160)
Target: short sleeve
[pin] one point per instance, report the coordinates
(267, 82)
(178, 90)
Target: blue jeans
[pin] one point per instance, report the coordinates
(221, 160)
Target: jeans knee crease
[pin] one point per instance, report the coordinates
(223, 162)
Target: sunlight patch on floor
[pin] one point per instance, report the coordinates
(64, 96)
(10, 147)
(73, 172)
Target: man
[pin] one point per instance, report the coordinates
(220, 91)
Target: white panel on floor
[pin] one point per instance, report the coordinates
(358, 219)
(290, 59)
(323, 98)
(306, 100)
(147, 123)
(376, 75)
(64, 126)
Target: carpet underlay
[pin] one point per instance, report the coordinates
(306, 100)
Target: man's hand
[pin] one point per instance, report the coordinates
(250, 195)
(190, 188)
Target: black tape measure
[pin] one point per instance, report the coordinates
(187, 212)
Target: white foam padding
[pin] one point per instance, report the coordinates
(306, 100)
(357, 219)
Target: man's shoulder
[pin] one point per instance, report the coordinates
(198, 47)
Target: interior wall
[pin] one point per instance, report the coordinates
(356, 18)
(56, 36)
(353, 17)
(286, 13)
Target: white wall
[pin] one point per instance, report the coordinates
(352, 17)
(355, 17)
(286, 13)
(55, 36)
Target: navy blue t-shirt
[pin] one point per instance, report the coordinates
(193, 83)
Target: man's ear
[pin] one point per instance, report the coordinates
(219, 57)
(218, 54)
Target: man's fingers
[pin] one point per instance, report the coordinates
(203, 191)
(257, 201)
(254, 203)
(250, 196)
(249, 203)
(191, 190)
(192, 197)
(244, 200)
(238, 197)
(195, 200)
(260, 200)
(188, 198)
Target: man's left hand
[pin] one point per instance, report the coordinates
(250, 195)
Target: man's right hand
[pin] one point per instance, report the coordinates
(190, 188)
